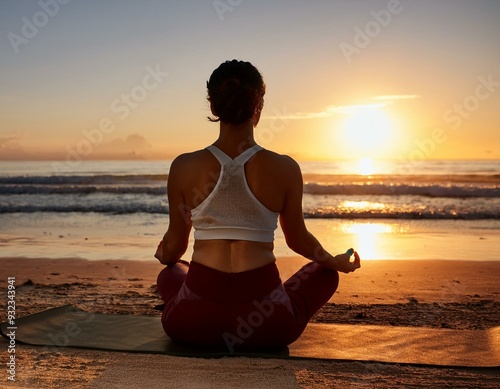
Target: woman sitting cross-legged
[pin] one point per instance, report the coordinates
(232, 193)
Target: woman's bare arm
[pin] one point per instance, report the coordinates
(176, 239)
(298, 238)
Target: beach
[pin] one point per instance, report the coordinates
(86, 237)
(426, 293)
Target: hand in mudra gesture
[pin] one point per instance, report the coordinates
(343, 263)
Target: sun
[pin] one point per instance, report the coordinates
(366, 166)
(368, 132)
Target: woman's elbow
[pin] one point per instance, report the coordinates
(303, 244)
(297, 245)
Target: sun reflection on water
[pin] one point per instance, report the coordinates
(362, 205)
(366, 238)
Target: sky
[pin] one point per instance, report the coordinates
(346, 79)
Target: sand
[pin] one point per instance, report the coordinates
(438, 294)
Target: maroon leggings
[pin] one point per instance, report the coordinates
(247, 310)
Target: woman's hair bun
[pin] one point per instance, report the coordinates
(235, 91)
(230, 85)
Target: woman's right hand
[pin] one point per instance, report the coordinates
(342, 262)
(159, 251)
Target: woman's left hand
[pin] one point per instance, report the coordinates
(342, 262)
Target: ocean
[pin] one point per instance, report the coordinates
(119, 209)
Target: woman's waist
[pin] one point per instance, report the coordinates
(233, 256)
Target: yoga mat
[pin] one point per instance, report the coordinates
(68, 326)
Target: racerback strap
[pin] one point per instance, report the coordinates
(241, 159)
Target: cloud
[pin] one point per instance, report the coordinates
(396, 97)
(134, 146)
(10, 140)
(329, 111)
(129, 147)
(345, 109)
(10, 147)
(133, 142)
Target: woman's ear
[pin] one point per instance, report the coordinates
(212, 109)
(256, 117)
(258, 112)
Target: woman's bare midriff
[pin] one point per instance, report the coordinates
(233, 256)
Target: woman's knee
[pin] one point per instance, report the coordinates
(170, 280)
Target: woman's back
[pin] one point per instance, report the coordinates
(268, 176)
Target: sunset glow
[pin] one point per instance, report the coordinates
(111, 89)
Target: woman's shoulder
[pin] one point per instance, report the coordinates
(190, 158)
(282, 161)
(185, 164)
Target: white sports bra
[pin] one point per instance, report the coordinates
(231, 210)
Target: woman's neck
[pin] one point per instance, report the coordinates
(234, 139)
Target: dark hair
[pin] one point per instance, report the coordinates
(235, 90)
